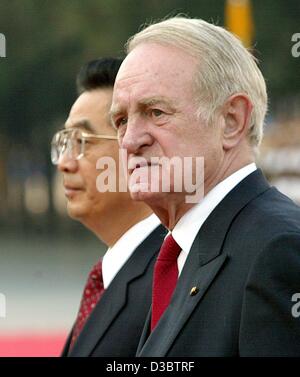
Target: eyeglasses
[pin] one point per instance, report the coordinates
(74, 141)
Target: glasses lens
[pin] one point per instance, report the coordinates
(55, 150)
(77, 146)
(67, 140)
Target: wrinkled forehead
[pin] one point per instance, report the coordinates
(155, 65)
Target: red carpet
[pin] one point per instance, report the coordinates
(37, 345)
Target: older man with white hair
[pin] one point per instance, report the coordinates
(227, 273)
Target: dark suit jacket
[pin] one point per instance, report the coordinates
(115, 325)
(245, 261)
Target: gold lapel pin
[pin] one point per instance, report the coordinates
(194, 291)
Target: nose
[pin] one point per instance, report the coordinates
(66, 164)
(136, 136)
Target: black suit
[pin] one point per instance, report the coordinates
(245, 261)
(115, 325)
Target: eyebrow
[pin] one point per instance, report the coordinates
(85, 124)
(151, 101)
(155, 101)
(114, 111)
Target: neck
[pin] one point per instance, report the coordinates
(110, 226)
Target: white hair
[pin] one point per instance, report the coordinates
(226, 67)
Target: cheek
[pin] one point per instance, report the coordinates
(213, 159)
(89, 177)
(169, 145)
(181, 141)
(123, 162)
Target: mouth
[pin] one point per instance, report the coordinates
(134, 165)
(137, 167)
(70, 191)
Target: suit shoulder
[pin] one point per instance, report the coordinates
(268, 220)
(272, 213)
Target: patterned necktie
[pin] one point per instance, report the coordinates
(93, 290)
(165, 278)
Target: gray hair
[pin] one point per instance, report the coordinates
(226, 67)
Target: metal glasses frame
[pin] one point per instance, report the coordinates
(55, 156)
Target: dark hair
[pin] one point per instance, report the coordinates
(98, 73)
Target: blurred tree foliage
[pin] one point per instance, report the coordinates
(47, 42)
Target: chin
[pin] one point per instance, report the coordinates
(76, 211)
(146, 197)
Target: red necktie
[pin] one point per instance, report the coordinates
(93, 290)
(165, 278)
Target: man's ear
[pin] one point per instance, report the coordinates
(237, 113)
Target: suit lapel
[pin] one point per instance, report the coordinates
(115, 296)
(202, 266)
(175, 316)
(145, 333)
(65, 350)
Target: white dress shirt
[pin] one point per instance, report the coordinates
(117, 255)
(187, 228)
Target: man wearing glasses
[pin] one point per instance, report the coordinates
(117, 294)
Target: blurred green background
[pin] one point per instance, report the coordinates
(45, 256)
(47, 42)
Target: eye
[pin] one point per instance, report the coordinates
(119, 122)
(78, 140)
(156, 113)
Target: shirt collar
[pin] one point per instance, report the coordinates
(185, 231)
(117, 255)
